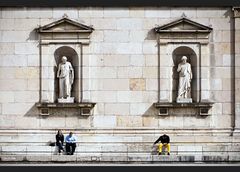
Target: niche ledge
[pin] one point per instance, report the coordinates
(201, 108)
(83, 108)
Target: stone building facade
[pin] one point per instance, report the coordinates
(125, 84)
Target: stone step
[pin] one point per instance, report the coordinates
(120, 136)
(130, 158)
(121, 148)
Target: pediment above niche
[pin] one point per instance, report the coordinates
(65, 25)
(183, 25)
(65, 30)
(183, 30)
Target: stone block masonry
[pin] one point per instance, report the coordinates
(122, 72)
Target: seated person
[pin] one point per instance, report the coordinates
(70, 144)
(59, 141)
(165, 141)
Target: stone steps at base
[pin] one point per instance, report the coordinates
(124, 148)
(117, 159)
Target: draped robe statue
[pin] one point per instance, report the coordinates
(65, 74)
(185, 77)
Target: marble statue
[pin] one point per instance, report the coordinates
(65, 74)
(185, 77)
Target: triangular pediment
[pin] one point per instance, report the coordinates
(183, 25)
(65, 25)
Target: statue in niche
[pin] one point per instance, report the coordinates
(185, 77)
(65, 74)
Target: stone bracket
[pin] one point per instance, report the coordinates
(85, 108)
(202, 108)
(236, 11)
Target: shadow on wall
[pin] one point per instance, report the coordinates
(33, 36)
(151, 112)
(151, 35)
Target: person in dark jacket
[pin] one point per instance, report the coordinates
(59, 140)
(165, 141)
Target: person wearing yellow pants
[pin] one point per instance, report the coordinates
(165, 142)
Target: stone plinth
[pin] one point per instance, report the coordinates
(181, 100)
(66, 100)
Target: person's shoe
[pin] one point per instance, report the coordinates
(168, 153)
(160, 153)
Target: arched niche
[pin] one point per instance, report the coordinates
(73, 58)
(192, 59)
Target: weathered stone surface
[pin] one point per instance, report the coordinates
(137, 60)
(139, 108)
(116, 12)
(136, 96)
(116, 84)
(6, 96)
(23, 48)
(129, 24)
(116, 60)
(137, 84)
(136, 12)
(17, 13)
(178, 12)
(150, 72)
(155, 12)
(116, 36)
(121, 109)
(104, 23)
(104, 96)
(90, 12)
(129, 121)
(103, 72)
(70, 12)
(137, 36)
(150, 47)
(26, 96)
(129, 48)
(104, 121)
(135, 72)
(16, 108)
(13, 85)
(152, 84)
(151, 60)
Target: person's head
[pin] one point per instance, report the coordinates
(70, 134)
(184, 59)
(59, 132)
(64, 59)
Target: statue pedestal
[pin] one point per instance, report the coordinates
(186, 100)
(66, 100)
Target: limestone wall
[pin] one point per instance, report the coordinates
(120, 68)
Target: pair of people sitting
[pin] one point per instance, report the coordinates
(70, 142)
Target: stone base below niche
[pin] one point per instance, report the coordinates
(181, 100)
(83, 108)
(168, 108)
